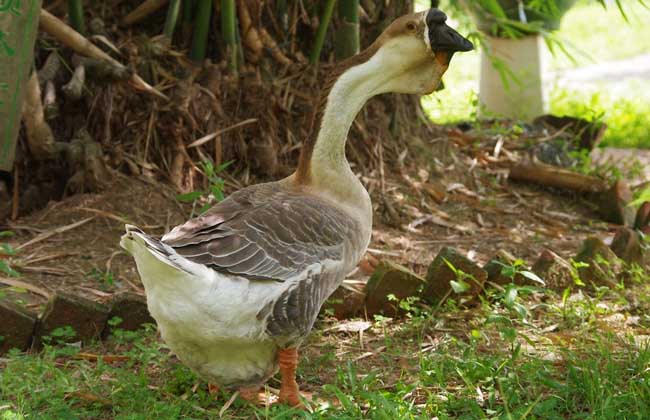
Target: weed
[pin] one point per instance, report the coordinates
(105, 278)
(6, 252)
(215, 187)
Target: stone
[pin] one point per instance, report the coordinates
(613, 204)
(554, 270)
(132, 309)
(627, 246)
(346, 302)
(16, 327)
(603, 263)
(86, 318)
(439, 275)
(391, 279)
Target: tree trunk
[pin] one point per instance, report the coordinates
(18, 25)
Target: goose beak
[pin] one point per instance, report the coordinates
(443, 40)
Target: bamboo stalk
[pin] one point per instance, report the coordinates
(76, 13)
(250, 34)
(322, 31)
(228, 31)
(347, 37)
(170, 20)
(188, 11)
(200, 32)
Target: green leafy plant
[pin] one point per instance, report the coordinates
(60, 335)
(215, 190)
(105, 278)
(461, 284)
(517, 267)
(6, 252)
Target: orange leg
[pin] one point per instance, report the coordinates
(288, 359)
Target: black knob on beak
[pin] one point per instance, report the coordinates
(442, 37)
(435, 17)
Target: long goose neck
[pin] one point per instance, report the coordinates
(343, 94)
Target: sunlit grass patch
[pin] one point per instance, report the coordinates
(625, 115)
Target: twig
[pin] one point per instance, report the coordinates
(106, 358)
(73, 39)
(205, 139)
(47, 234)
(45, 270)
(146, 8)
(106, 214)
(48, 257)
(26, 286)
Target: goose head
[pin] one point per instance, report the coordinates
(413, 53)
(410, 56)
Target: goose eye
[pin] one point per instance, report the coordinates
(411, 26)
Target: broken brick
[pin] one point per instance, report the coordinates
(391, 279)
(494, 269)
(627, 246)
(132, 310)
(346, 301)
(440, 275)
(556, 272)
(86, 318)
(603, 264)
(16, 328)
(642, 220)
(613, 204)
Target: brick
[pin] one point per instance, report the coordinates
(439, 275)
(554, 270)
(132, 309)
(494, 269)
(16, 326)
(391, 279)
(346, 302)
(603, 263)
(627, 246)
(85, 317)
(613, 204)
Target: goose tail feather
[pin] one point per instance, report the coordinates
(135, 241)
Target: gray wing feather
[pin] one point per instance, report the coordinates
(264, 231)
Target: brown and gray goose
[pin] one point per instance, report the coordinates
(236, 290)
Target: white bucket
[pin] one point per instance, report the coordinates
(522, 97)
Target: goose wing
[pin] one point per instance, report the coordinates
(265, 232)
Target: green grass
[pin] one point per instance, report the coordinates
(593, 35)
(524, 353)
(627, 118)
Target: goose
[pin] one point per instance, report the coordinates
(236, 290)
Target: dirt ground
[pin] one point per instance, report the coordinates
(74, 244)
